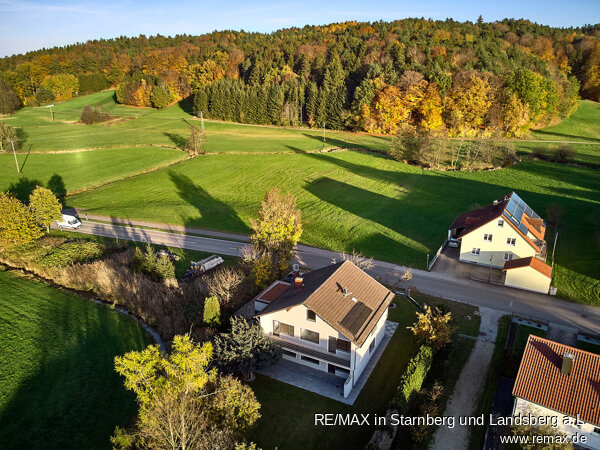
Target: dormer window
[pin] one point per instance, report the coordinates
(501, 223)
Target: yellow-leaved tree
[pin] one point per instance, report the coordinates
(433, 327)
(277, 230)
(183, 403)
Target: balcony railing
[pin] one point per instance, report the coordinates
(296, 347)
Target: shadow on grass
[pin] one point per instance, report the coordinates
(569, 136)
(177, 139)
(23, 188)
(74, 398)
(213, 213)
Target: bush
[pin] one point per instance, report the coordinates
(93, 114)
(72, 252)
(412, 380)
(160, 97)
(9, 100)
(94, 82)
(158, 268)
(563, 154)
(44, 96)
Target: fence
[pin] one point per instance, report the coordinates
(437, 254)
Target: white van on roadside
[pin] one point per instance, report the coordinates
(68, 221)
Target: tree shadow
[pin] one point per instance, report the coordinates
(23, 188)
(58, 187)
(213, 213)
(73, 398)
(177, 139)
(337, 142)
(564, 135)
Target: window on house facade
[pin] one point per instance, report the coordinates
(310, 360)
(343, 345)
(501, 223)
(372, 346)
(508, 256)
(309, 336)
(487, 237)
(288, 353)
(475, 251)
(597, 430)
(282, 328)
(311, 316)
(511, 241)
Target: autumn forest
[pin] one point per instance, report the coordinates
(439, 77)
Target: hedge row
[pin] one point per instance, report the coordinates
(413, 378)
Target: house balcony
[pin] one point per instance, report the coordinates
(296, 346)
(543, 245)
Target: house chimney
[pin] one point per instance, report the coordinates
(298, 283)
(495, 203)
(567, 363)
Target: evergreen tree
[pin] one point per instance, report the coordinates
(245, 349)
(212, 312)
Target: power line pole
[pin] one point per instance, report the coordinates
(554, 246)
(323, 134)
(15, 154)
(202, 119)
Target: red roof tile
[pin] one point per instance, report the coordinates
(540, 379)
(273, 292)
(530, 261)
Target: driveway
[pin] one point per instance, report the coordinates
(448, 263)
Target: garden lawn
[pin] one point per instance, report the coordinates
(368, 202)
(83, 170)
(58, 387)
(287, 420)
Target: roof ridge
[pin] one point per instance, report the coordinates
(539, 338)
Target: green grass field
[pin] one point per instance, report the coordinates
(83, 170)
(349, 199)
(58, 387)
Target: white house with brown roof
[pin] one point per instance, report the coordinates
(556, 380)
(508, 235)
(331, 319)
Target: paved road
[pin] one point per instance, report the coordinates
(538, 306)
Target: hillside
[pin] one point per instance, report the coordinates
(460, 79)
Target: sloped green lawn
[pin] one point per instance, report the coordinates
(58, 387)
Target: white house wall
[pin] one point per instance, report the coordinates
(362, 353)
(525, 407)
(492, 253)
(296, 317)
(527, 278)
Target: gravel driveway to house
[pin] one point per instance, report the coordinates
(469, 386)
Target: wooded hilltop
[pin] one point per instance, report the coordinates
(444, 77)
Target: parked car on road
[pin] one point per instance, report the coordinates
(453, 242)
(68, 221)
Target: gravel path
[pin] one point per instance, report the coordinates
(469, 386)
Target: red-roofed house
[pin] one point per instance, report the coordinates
(507, 230)
(561, 381)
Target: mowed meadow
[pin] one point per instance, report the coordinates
(353, 198)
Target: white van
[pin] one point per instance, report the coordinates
(68, 221)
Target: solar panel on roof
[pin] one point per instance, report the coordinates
(356, 317)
